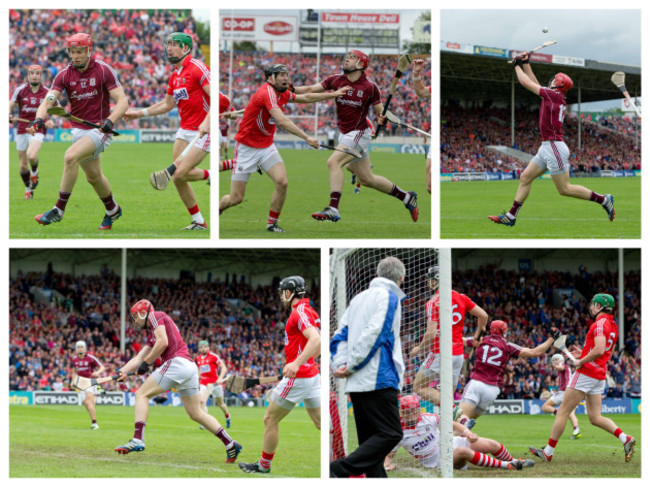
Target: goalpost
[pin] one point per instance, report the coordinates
(351, 271)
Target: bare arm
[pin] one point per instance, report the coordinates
(427, 339)
(223, 371)
(312, 349)
(302, 90)
(159, 347)
(49, 101)
(526, 81)
(134, 363)
(163, 106)
(12, 104)
(596, 352)
(482, 317)
(283, 121)
(528, 68)
(315, 97)
(121, 104)
(99, 371)
(538, 351)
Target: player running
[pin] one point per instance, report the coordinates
(177, 371)
(89, 85)
(255, 148)
(301, 382)
(87, 365)
(225, 109)
(430, 369)
(212, 373)
(28, 97)
(423, 92)
(493, 353)
(189, 90)
(588, 380)
(553, 154)
(550, 406)
(422, 441)
(359, 94)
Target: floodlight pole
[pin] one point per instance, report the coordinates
(446, 385)
(123, 303)
(512, 111)
(621, 300)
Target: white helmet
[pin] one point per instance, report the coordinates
(81, 344)
(557, 358)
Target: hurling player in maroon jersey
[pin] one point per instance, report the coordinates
(553, 154)
(423, 92)
(355, 133)
(89, 84)
(87, 365)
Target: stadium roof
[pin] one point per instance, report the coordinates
(491, 255)
(470, 77)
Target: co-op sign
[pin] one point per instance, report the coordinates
(259, 28)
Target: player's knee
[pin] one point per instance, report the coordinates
(236, 198)
(564, 190)
(70, 159)
(195, 414)
(93, 177)
(282, 184)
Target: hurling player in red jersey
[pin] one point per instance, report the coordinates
(255, 148)
(301, 382)
(87, 365)
(588, 380)
(493, 353)
(177, 371)
(89, 85)
(552, 403)
(423, 92)
(189, 91)
(553, 154)
(27, 97)
(430, 369)
(212, 375)
(352, 110)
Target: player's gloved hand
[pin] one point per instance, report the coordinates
(38, 124)
(525, 58)
(143, 368)
(554, 332)
(291, 88)
(518, 61)
(106, 126)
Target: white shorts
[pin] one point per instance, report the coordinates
(93, 390)
(433, 461)
(557, 397)
(180, 374)
(290, 392)
(430, 148)
(359, 140)
(553, 156)
(23, 140)
(247, 159)
(431, 367)
(202, 143)
(480, 395)
(214, 390)
(99, 138)
(586, 384)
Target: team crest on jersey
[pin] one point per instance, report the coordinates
(92, 81)
(360, 93)
(33, 101)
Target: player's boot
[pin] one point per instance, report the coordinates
(629, 448)
(196, 226)
(29, 194)
(516, 464)
(609, 206)
(227, 423)
(527, 463)
(539, 452)
(233, 452)
(503, 219)
(253, 468)
(94, 426)
(107, 222)
(328, 213)
(132, 446)
(33, 181)
(470, 424)
(576, 436)
(274, 227)
(52, 216)
(357, 190)
(160, 179)
(412, 206)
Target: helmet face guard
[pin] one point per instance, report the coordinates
(79, 40)
(410, 409)
(272, 72)
(295, 284)
(606, 302)
(34, 69)
(183, 40)
(142, 309)
(363, 60)
(561, 82)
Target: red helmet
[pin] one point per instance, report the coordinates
(363, 60)
(410, 409)
(561, 82)
(34, 67)
(499, 327)
(79, 40)
(141, 309)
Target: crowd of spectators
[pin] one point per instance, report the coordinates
(623, 124)
(50, 312)
(131, 41)
(466, 133)
(248, 77)
(528, 302)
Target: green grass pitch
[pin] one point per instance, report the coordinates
(596, 454)
(465, 207)
(370, 214)
(56, 441)
(147, 213)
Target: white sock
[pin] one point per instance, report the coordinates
(549, 450)
(196, 217)
(576, 431)
(511, 216)
(622, 437)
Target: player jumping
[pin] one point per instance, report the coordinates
(212, 372)
(423, 92)
(255, 147)
(352, 109)
(89, 84)
(189, 90)
(551, 404)
(87, 365)
(553, 154)
(588, 380)
(301, 382)
(422, 440)
(177, 371)
(28, 97)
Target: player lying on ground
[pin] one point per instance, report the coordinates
(358, 95)
(177, 371)
(429, 370)
(588, 380)
(189, 90)
(422, 441)
(87, 365)
(553, 154)
(27, 97)
(212, 372)
(550, 406)
(301, 382)
(89, 84)
(492, 355)
(423, 92)
(254, 146)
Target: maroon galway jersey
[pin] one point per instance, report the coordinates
(551, 114)
(85, 366)
(352, 108)
(28, 102)
(175, 345)
(492, 356)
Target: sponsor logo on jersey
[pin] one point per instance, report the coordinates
(181, 94)
(353, 103)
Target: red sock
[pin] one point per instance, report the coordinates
(552, 443)
(516, 206)
(139, 430)
(266, 460)
(503, 454)
(598, 198)
(223, 436)
(206, 174)
(109, 204)
(483, 460)
(335, 197)
(25, 176)
(273, 217)
(194, 210)
(63, 200)
(226, 165)
(398, 193)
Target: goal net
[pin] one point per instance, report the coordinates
(351, 271)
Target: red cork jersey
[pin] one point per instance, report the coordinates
(460, 304)
(208, 367)
(603, 327)
(186, 86)
(302, 317)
